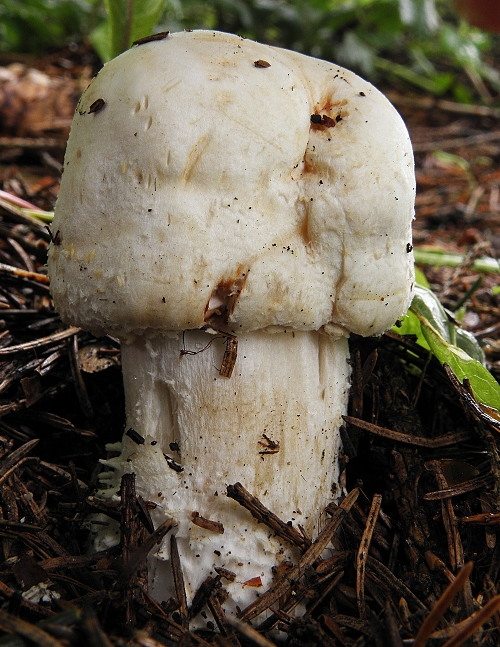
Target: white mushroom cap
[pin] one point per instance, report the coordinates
(197, 185)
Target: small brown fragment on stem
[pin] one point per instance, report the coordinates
(269, 446)
(207, 524)
(264, 515)
(229, 357)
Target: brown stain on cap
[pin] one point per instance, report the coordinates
(328, 113)
(223, 299)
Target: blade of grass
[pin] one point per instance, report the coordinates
(439, 258)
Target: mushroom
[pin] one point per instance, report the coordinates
(231, 212)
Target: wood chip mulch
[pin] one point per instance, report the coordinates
(409, 556)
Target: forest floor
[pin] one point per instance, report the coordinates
(415, 554)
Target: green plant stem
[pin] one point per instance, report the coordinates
(127, 32)
(465, 297)
(437, 258)
(406, 74)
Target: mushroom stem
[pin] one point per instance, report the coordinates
(273, 426)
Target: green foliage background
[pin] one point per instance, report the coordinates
(418, 42)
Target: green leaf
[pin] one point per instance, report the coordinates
(485, 388)
(428, 322)
(100, 37)
(438, 83)
(420, 278)
(410, 325)
(127, 21)
(468, 343)
(355, 53)
(426, 304)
